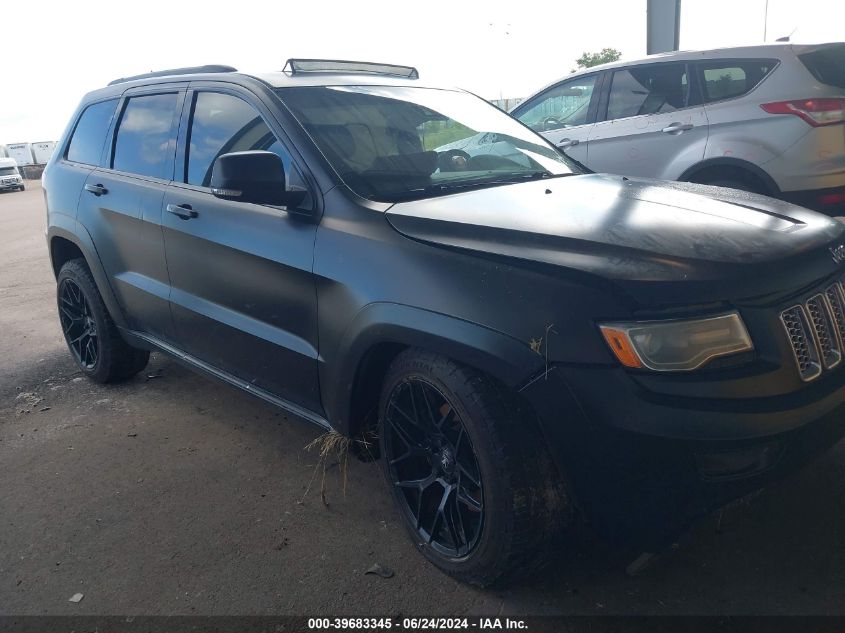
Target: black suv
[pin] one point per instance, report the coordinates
(529, 343)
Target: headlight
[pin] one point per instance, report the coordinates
(676, 345)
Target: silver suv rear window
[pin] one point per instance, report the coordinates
(827, 64)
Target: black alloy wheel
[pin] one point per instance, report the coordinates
(78, 324)
(432, 464)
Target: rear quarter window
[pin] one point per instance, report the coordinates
(728, 79)
(89, 136)
(827, 64)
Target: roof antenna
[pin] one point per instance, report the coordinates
(786, 37)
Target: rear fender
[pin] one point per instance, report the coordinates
(64, 226)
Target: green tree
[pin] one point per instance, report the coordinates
(607, 55)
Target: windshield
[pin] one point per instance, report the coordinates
(8, 171)
(402, 143)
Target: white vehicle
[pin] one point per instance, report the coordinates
(768, 119)
(21, 152)
(42, 151)
(10, 177)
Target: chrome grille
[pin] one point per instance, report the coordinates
(803, 343)
(826, 336)
(836, 301)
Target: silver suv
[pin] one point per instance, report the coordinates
(768, 119)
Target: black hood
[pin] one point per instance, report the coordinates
(661, 242)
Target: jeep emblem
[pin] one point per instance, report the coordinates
(838, 253)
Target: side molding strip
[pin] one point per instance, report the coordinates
(193, 362)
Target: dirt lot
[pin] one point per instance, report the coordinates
(173, 494)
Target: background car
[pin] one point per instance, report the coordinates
(767, 119)
(10, 177)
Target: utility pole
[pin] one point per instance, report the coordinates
(765, 21)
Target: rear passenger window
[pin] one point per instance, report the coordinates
(732, 78)
(88, 138)
(827, 63)
(221, 124)
(143, 135)
(650, 89)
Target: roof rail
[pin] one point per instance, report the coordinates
(297, 66)
(189, 70)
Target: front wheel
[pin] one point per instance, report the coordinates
(91, 335)
(466, 466)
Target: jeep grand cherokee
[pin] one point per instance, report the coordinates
(529, 343)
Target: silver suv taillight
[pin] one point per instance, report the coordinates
(816, 112)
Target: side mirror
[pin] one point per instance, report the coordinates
(254, 176)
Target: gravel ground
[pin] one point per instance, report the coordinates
(174, 494)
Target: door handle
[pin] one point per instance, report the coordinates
(568, 142)
(677, 128)
(98, 190)
(183, 211)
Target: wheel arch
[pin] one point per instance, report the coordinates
(381, 331)
(66, 243)
(727, 165)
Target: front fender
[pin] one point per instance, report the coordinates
(505, 358)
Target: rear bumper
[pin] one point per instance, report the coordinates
(645, 467)
(830, 201)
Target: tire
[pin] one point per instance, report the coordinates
(22, 188)
(90, 333)
(496, 519)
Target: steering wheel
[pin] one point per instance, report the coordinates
(453, 160)
(551, 123)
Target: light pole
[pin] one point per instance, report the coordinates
(765, 21)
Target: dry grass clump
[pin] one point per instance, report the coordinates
(332, 448)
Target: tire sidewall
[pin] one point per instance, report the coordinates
(497, 520)
(73, 271)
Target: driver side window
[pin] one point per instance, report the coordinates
(223, 123)
(565, 105)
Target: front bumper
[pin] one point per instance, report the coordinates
(645, 465)
(11, 185)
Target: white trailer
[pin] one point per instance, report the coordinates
(22, 153)
(42, 151)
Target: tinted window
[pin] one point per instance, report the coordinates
(375, 138)
(224, 123)
(732, 78)
(86, 144)
(827, 64)
(651, 89)
(143, 135)
(562, 106)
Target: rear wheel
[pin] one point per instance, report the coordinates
(472, 479)
(91, 335)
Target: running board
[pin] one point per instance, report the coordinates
(202, 366)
